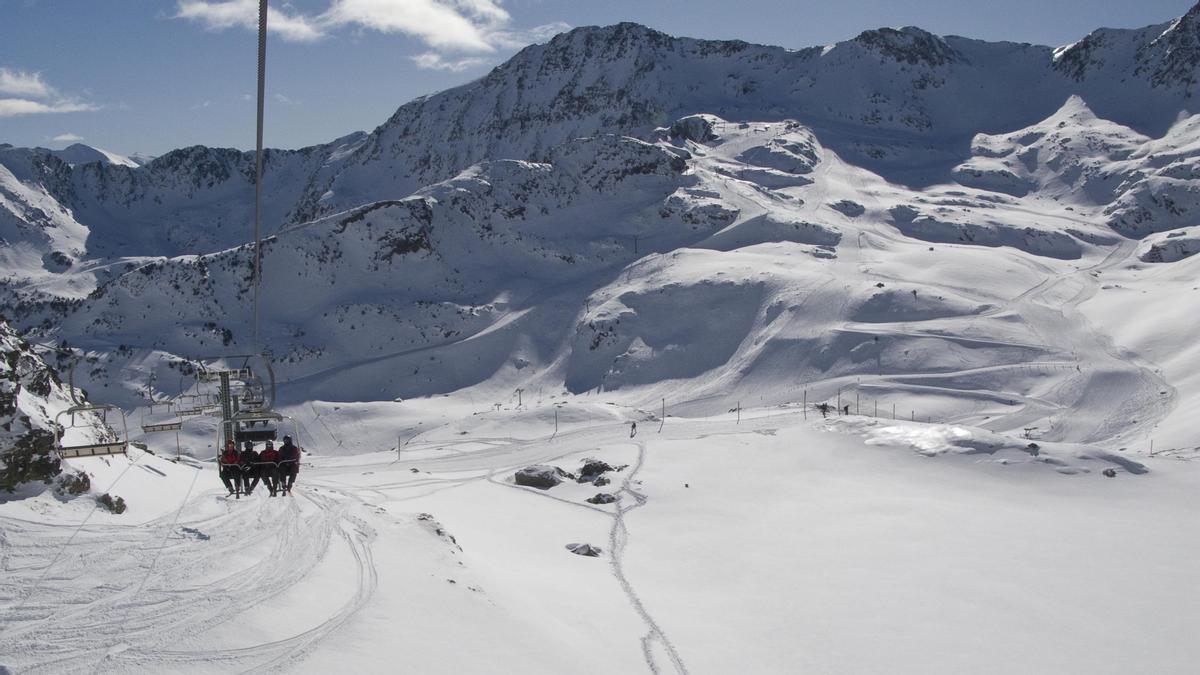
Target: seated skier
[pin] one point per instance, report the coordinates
(249, 467)
(269, 467)
(289, 465)
(230, 469)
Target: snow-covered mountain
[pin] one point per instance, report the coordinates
(877, 357)
(544, 224)
(78, 153)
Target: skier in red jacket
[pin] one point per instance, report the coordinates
(269, 467)
(231, 469)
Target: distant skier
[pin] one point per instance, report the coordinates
(632, 429)
(249, 468)
(269, 467)
(289, 465)
(230, 469)
(846, 409)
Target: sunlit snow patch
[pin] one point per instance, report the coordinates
(928, 440)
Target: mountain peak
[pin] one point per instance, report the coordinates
(910, 45)
(78, 153)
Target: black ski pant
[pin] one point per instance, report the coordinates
(250, 473)
(287, 475)
(231, 476)
(270, 475)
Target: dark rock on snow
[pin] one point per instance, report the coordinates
(540, 476)
(585, 549)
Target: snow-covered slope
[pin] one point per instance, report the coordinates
(78, 153)
(983, 254)
(494, 236)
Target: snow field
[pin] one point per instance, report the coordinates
(761, 546)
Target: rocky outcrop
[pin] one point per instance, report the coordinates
(540, 476)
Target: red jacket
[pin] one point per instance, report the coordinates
(271, 455)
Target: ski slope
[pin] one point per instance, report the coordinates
(773, 544)
(983, 254)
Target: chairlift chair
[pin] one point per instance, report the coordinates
(244, 429)
(119, 447)
(156, 427)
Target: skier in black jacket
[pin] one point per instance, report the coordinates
(289, 465)
(249, 467)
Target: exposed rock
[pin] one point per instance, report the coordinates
(540, 476)
(592, 469)
(585, 549)
(602, 498)
(600, 481)
(1171, 251)
(72, 484)
(697, 128)
(113, 504)
(1110, 473)
(848, 208)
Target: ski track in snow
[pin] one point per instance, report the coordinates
(618, 537)
(152, 619)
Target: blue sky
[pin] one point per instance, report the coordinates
(151, 75)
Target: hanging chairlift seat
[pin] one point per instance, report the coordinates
(246, 421)
(120, 447)
(156, 427)
(68, 452)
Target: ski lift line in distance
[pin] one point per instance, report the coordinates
(251, 383)
(119, 447)
(156, 427)
(267, 433)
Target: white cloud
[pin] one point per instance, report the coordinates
(445, 26)
(244, 14)
(25, 87)
(67, 138)
(461, 25)
(21, 83)
(286, 100)
(435, 61)
(11, 107)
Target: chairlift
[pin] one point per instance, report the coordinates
(156, 427)
(119, 447)
(245, 427)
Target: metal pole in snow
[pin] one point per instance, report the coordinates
(857, 405)
(876, 408)
(739, 413)
(839, 400)
(555, 420)
(893, 411)
(663, 421)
